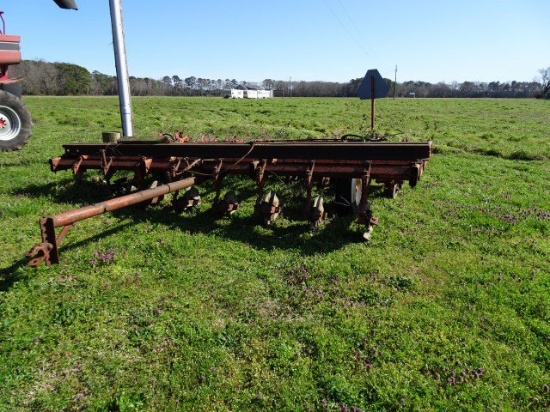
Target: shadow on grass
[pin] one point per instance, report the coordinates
(290, 233)
(11, 274)
(70, 190)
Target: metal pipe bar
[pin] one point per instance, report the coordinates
(73, 216)
(48, 250)
(121, 64)
(308, 150)
(165, 163)
(380, 169)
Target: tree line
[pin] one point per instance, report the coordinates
(65, 79)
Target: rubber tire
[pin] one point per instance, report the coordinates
(348, 193)
(19, 123)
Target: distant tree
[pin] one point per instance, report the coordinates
(467, 89)
(440, 90)
(268, 84)
(350, 88)
(72, 79)
(43, 78)
(494, 88)
(140, 86)
(281, 87)
(201, 83)
(191, 82)
(545, 82)
(177, 83)
(39, 77)
(103, 84)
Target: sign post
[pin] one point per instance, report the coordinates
(372, 87)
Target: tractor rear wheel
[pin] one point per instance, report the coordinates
(15, 122)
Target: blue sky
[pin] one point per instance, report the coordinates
(331, 40)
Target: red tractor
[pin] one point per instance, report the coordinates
(15, 119)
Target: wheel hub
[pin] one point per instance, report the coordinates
(10, 124)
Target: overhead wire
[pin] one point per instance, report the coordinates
(360, 34)
(345, 27)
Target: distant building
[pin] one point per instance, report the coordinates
(250, 92)
(265, 94)
(237, 93)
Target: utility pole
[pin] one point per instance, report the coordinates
(395, 83)
(290, 87)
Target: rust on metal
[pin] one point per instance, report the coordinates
(48, 250)
(317, 212)
(391, 164)
(302, 149)
(226, 206)
(269, 208)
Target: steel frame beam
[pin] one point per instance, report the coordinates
(303, 150)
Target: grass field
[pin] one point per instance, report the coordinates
(447, 308)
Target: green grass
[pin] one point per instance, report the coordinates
(447, 308)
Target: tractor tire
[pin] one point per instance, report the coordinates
(15, 122)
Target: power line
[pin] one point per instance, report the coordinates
(352, 22)
(345, 28)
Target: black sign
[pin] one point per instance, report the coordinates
(372, 84)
